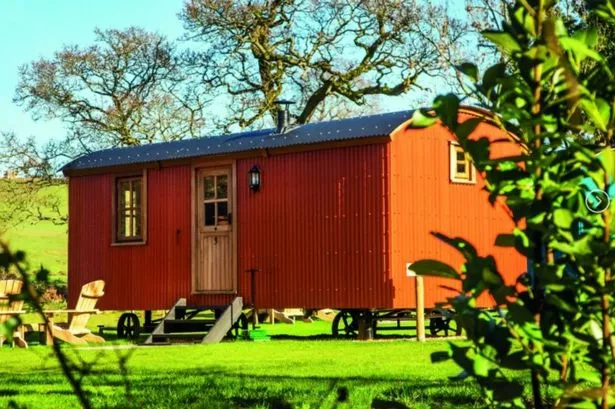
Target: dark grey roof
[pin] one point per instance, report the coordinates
(343, 129)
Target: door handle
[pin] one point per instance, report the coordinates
(230, 218)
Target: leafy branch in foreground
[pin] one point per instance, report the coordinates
(556, 322)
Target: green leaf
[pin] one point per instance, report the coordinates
(466, 128)
(526, 19)
(523, 244)
(563, 218)
(504, 390)
(481, 365)
(607, 159)
(469, 69)
(463, 246)
(516, 360)
(579, 49)
(434, 268)
(598, 111)
(560, 303)
(505, 240)
(519, 313)
(587, 36)
(505, 41)
(422, 119)
(447, 107)
(493, 75)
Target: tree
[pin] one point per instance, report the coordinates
(28, 195)
(556, 322)
(256, 52)
(126, 89)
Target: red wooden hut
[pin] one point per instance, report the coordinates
(322, 215)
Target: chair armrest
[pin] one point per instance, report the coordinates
(12, 312)
(72, 311)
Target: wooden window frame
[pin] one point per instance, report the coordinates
(468, 177)
(115, 241)
(215, 200)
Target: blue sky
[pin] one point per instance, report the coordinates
(33, 29)
(37, 28)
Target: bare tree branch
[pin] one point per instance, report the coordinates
(315, 52)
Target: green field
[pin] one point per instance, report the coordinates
(44, 242)
(243, 374)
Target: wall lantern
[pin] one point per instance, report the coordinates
(255, 178)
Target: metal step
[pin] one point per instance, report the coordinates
(192, 325)
(182, 325)
(225, 322)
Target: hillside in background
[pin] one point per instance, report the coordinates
(45, 243)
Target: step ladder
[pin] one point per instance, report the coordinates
(182, 324)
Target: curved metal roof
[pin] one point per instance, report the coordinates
(337, 130)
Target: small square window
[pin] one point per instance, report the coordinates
(461, 168)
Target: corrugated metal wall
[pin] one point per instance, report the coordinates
(424, 200)
(317, 229)
(151, 276)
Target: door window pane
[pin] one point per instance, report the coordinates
(222, 187)
(210, 214)
(209, 188)
(223, 213)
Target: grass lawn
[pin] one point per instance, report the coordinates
(242, 374)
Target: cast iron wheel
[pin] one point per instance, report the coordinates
(345, 324)
(446, 323)
(128, 326)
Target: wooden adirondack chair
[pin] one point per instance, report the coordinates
(75, 331)
(10, 309)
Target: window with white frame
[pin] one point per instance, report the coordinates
(461, 168)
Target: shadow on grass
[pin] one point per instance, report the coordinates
(214, 387)
(8, 392)
(217, 388)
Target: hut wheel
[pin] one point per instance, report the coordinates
(128, 326)
(345, 324)
(445, 323)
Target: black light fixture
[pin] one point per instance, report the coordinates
(255, 178)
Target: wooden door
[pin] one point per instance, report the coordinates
(214, 242)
